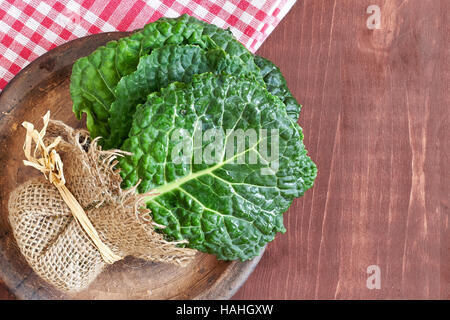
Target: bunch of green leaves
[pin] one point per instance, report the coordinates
(173, 75)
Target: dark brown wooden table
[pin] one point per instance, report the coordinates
(376, 121)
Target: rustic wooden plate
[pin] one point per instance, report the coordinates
(44, 85)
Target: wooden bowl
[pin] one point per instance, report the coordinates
(44, 85)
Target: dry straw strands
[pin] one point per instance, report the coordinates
(51, 166)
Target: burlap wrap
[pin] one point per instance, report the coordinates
(53, 242)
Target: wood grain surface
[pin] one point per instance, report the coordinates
(376, 121)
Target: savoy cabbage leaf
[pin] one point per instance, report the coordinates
(163, 66)
(227, 207)
(276, 85)
(94, 78)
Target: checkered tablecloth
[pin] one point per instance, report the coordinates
(30, 28)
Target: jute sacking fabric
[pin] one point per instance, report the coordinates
(53, 242)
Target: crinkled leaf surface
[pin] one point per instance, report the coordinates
(163, 66)
(276, 85)
(226, 208)
(95, 77)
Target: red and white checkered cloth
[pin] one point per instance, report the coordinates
(29, 28)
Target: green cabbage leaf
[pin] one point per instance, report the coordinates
(232, 206)
(163, 66)
(95, 77)
(276, 85)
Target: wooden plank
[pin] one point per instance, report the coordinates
(376, 122)
(4, 292)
